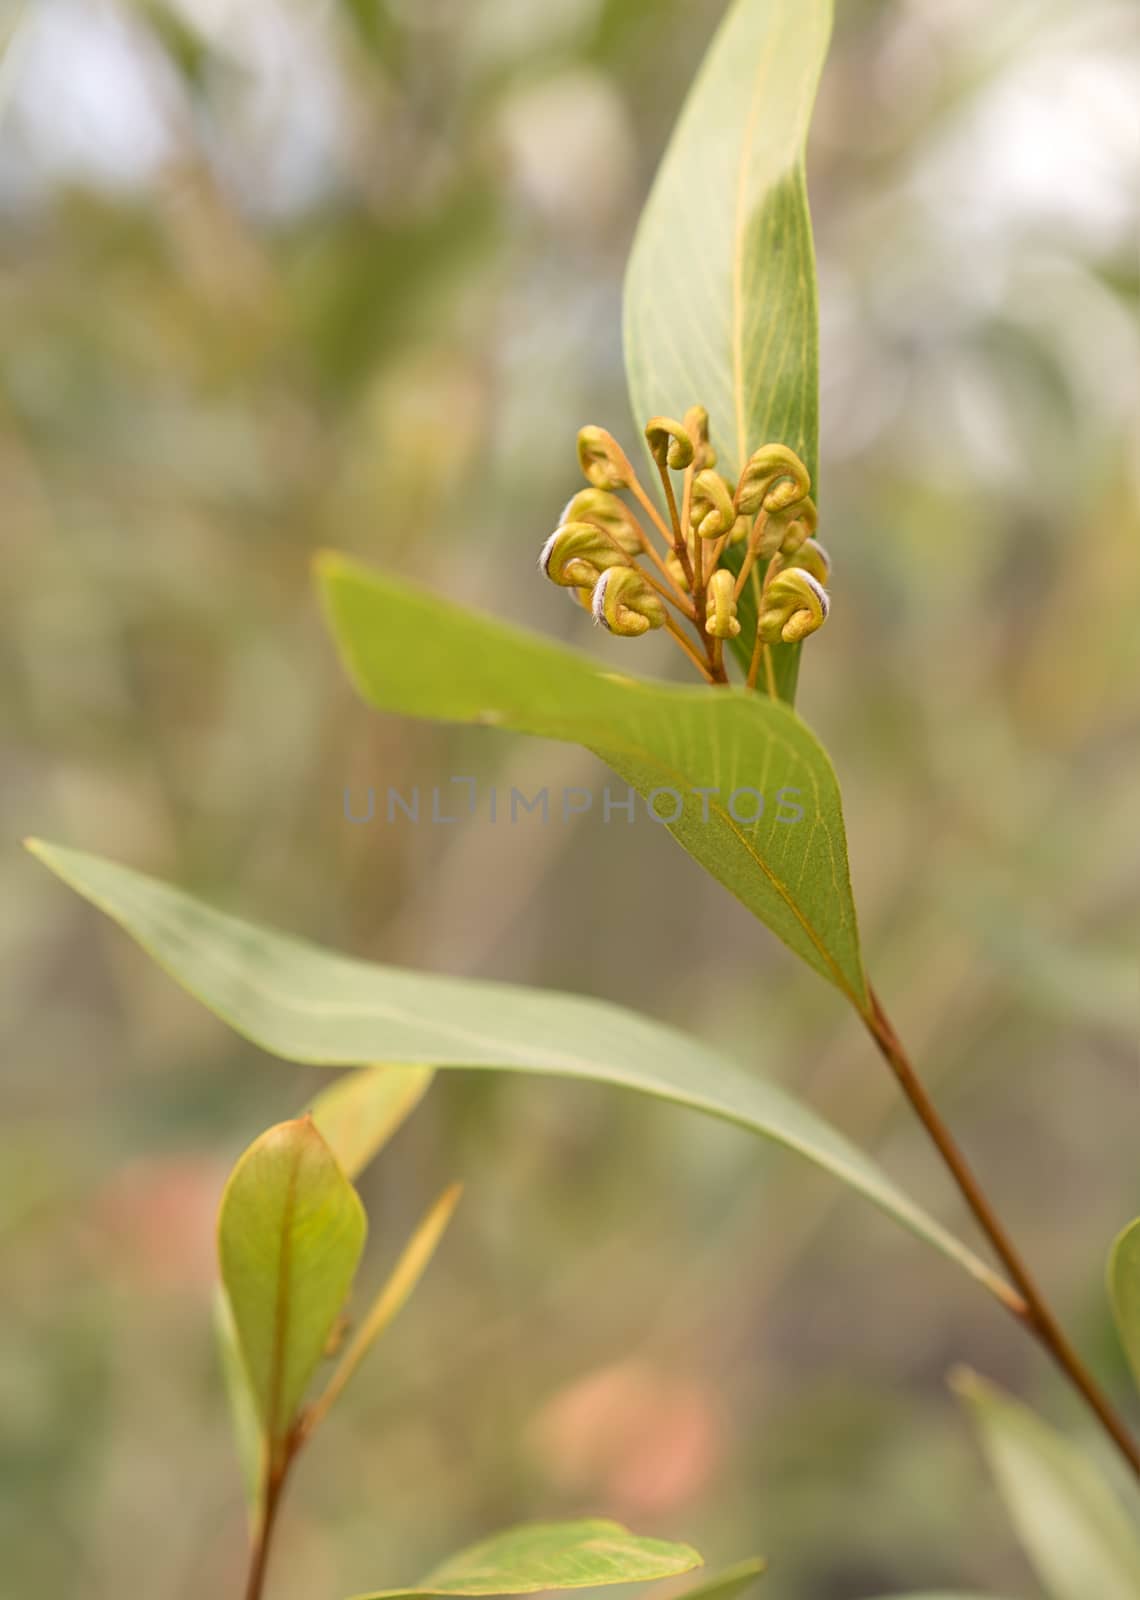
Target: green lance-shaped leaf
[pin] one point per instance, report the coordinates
(311, 1005)
(1077, 1535)
(552, 1555)
(755, 797)
(1124, 1287)
(361, 1111)
(290, 1233)
(720, 294)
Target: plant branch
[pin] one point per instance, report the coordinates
(275, 1480)
(1033, 1311)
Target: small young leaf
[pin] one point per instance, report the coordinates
(720, 294)
(393, 1297)
(1077, 1535)
(290, 1233)
(361, 1111)
(552, 1555)
(307, 1004)
(1124, 1287)
(710, 755)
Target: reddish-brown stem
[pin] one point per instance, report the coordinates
(1032, 1311)
(267, 1521)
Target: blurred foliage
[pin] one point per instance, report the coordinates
(274, 275)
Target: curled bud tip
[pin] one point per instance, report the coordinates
(697, 424)
(670, 443)
(798, 524)
(626, 604)
(811, 557)
(697, 427)
(577, 553)
(774, 477)
(712, 512)
(604, 463)
(721, 620)
(794, 605)
(607, 512)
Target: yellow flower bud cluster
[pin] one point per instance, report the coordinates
(684, 566)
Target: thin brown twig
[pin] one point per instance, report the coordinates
(267, 1522)
(1034, 1313)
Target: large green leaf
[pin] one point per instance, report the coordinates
(552, 1555)
(1124, 1287)
(704, 753)
(290, 1233)
(1077, 1535)
(311, 1005)
(720, 294)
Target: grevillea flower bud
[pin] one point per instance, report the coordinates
(670, 443)
(624, 603)
(773, 477)
(697, 427)
(811, 557)
(677, 572)
(721, 609)
(604, 463)
(576, 555)
(712, 512)
(607, 512)
(798, 524)
(794, 605)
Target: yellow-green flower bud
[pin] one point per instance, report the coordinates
(798, 525)
(576, 555)
(697, 424)
(697, 427)
(773, 477)
(604, 462)
(677, 572)
(713, 512)
(670, 443)
(811, 557)
(625, 603)
(794, 605)
(607, 512)
(721, 620)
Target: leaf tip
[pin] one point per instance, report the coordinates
(330, 568)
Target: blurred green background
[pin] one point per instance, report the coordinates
(278, 274)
